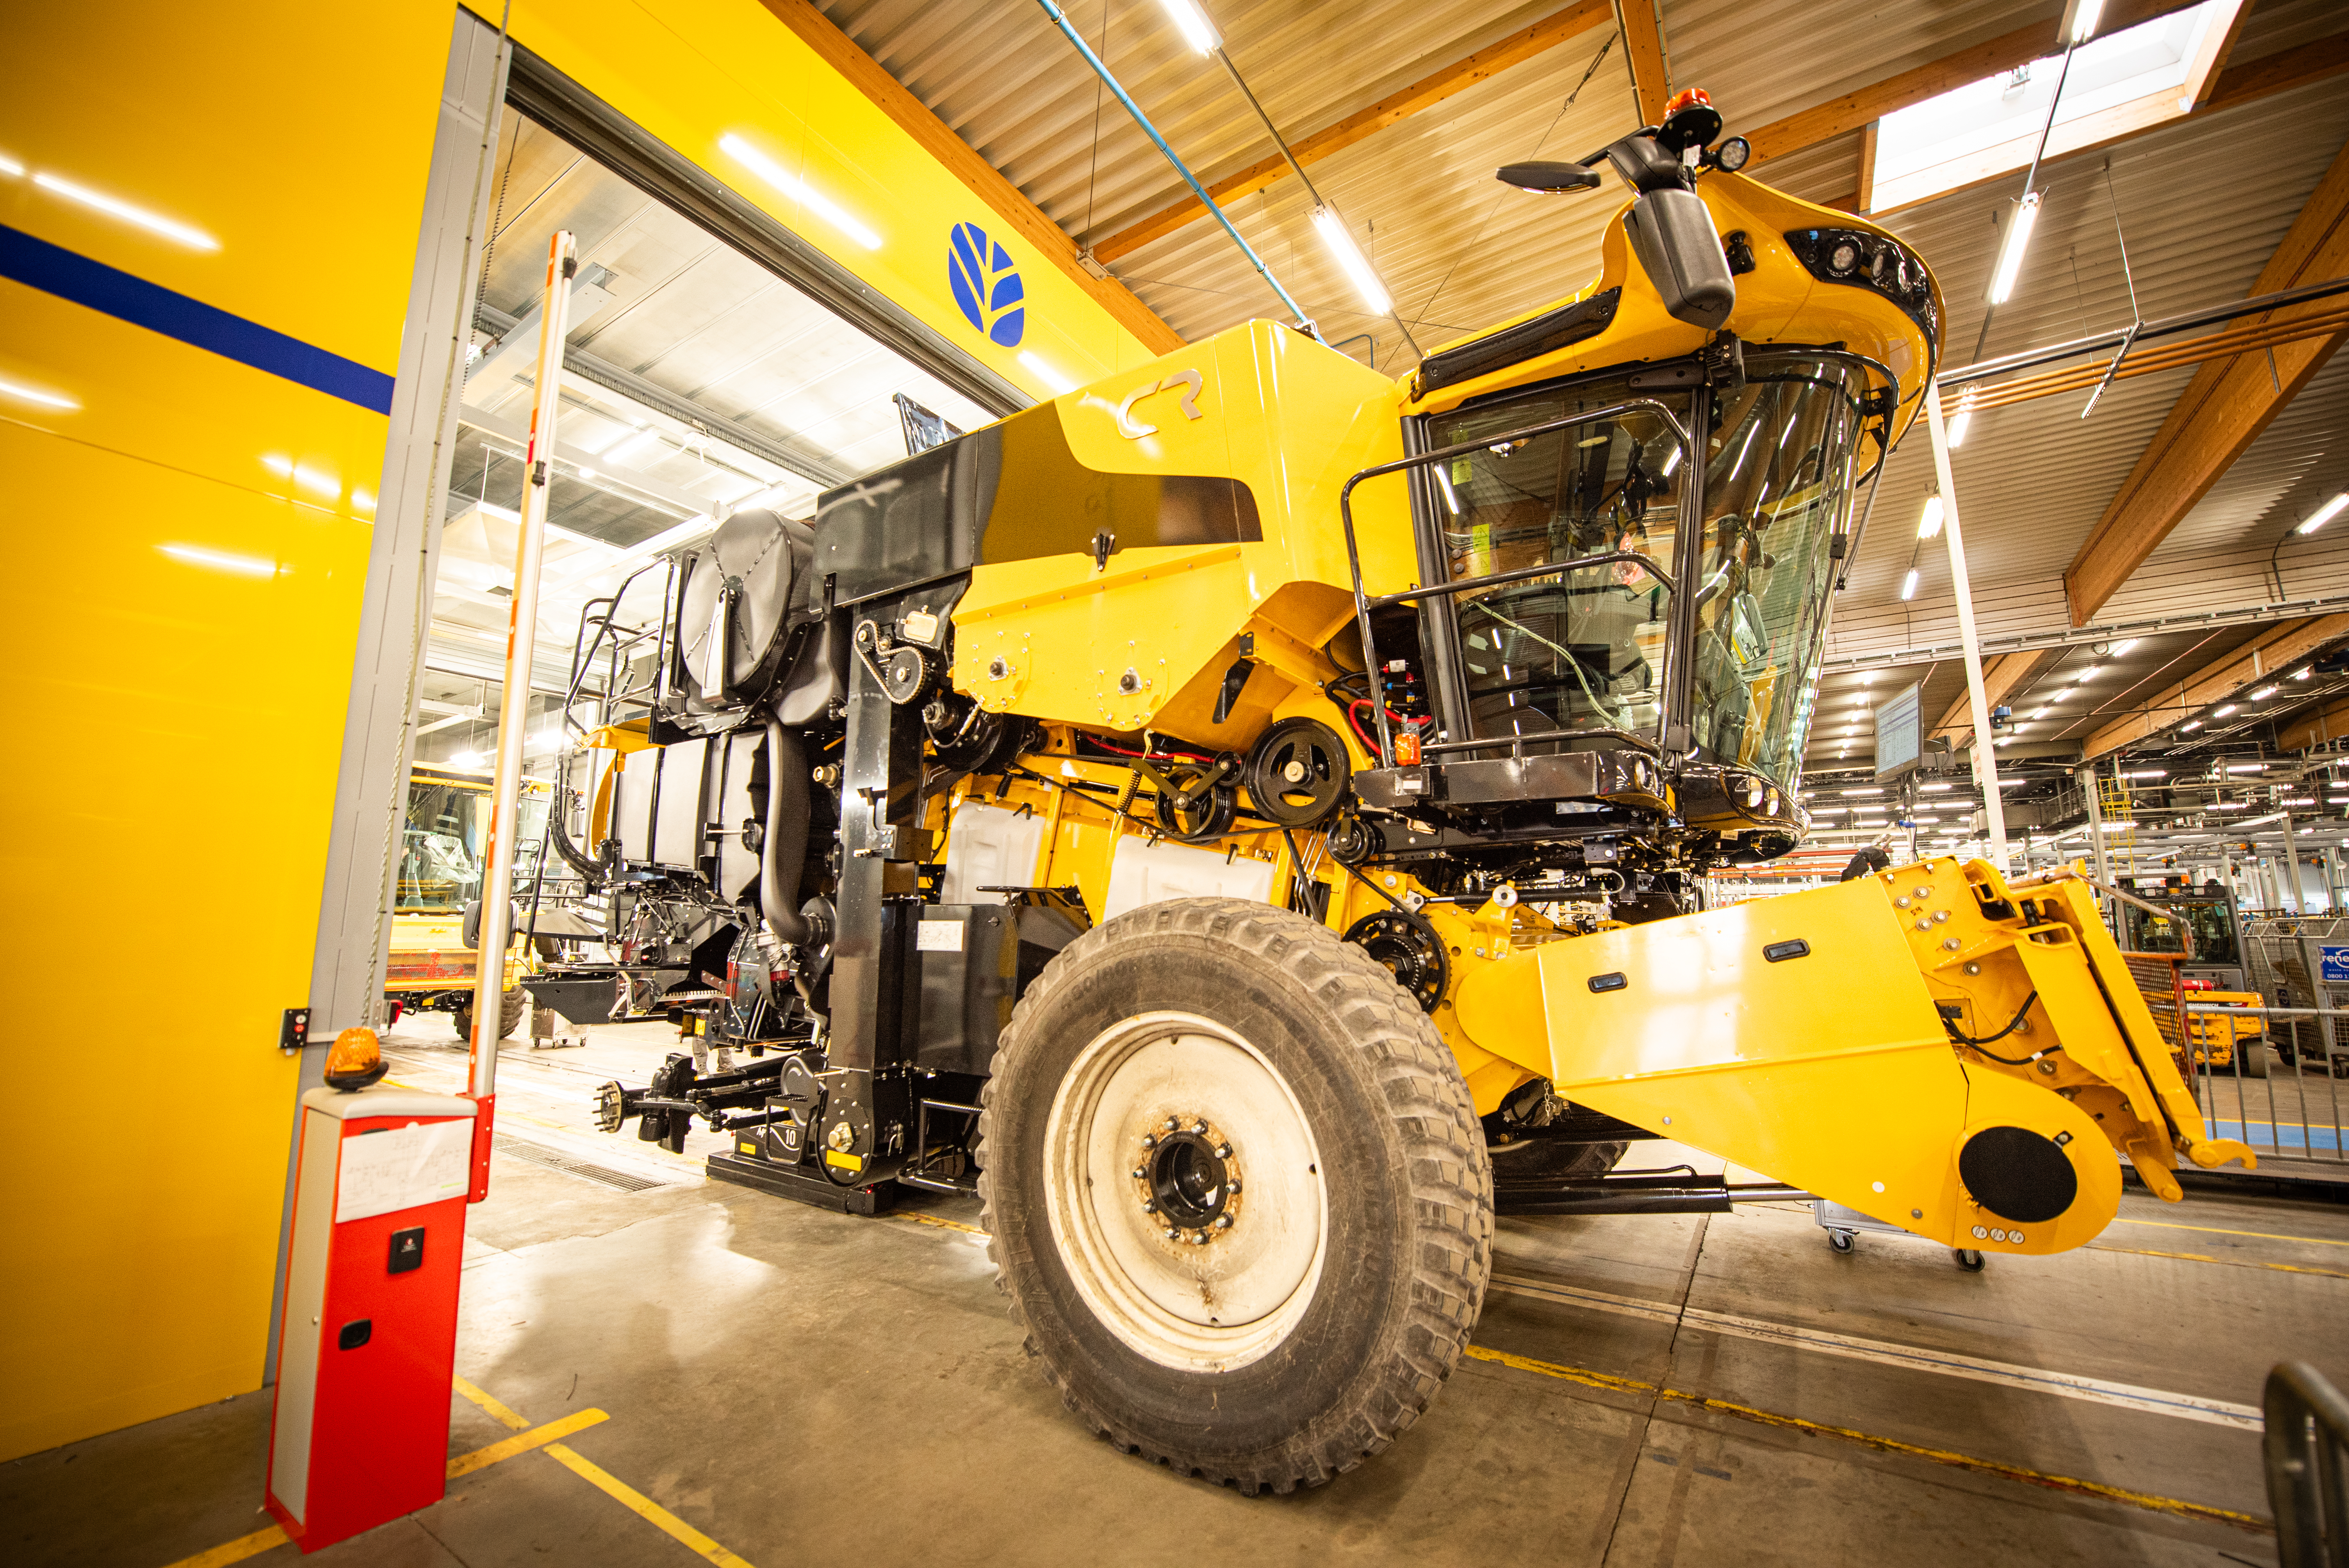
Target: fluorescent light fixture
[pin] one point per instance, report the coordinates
(219, 561)
(2250, 768)
(36, 396)
(1929, 789)
(1340, 240)
(2264, 693)
(626, 454)
(1850, 793)
(1058, 383)
(2087, 675)
(2060, 696)
(2190, 728)
(2150, 773)
(2041, 712)
(2121, 648)
(194, 239)
(2009, 255)
(1909, 585)
(798, 190)
(2300, 800)
(2303, 673)
(1191, 22)
(2222, 710)
(2324, 514)
(1444, 483)
(1929, 524)
(587, 473)
(2084, 15)
(1959, 423)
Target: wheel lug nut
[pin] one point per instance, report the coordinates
(1223, 1151)
(1138, 1172)
(1150, 1141)
(1200, 1240)
(1150, 1205)
(1172, 1122)
(1173, 1234)
(1199, 1126)
(1223, 1222)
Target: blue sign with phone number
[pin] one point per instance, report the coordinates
(2333, 963)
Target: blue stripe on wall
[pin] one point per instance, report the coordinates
(70, 275)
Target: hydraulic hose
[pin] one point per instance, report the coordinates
(783, 854)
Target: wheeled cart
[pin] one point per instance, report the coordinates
(1843, 1227)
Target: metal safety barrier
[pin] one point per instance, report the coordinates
(2307, 1425)
(2257, 1080)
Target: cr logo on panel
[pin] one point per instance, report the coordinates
(1192, 383)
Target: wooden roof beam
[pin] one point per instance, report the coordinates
(1426, 93)
(2002, 678)
(2222, 410)
(938, 139)
(2330, 722)
(1643, 44)
(2265, 656)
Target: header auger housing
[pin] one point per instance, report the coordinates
(1246, 819)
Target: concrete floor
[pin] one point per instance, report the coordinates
(801, 1386)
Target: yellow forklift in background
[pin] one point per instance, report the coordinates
(1176, 812)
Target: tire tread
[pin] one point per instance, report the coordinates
(1449, 1175)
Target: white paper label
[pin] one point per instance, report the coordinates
(421, 1163)
(938, 936)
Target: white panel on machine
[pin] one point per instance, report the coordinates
(1141, 872)
(987, 846)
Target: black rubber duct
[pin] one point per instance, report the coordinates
(784, 854)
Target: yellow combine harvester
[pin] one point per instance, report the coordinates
(1246, 819)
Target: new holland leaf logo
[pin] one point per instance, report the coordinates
(987, 286)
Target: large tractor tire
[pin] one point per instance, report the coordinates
(1237, 1192)
(510, 1007)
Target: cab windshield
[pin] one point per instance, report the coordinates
(2213, 933)
(445, 846)
(1586, 650)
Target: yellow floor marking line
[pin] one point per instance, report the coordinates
(1909, 1357)
(269, 1540)
(635, 1500)
(920, 1219)
(2222, 1231)
(638, 1502)
(237, 1550)
(489, 1403)
(1889, 1445)
(523, 1442)
(2223, 1263)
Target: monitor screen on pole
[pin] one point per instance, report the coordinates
(1900, 736)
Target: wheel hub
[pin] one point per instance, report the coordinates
(1176, 1254)
(1188, 1179)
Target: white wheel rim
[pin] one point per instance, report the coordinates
(1197, 1307)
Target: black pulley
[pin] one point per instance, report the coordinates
(1298, 773)
(1407, 947)
(1196, 804)
(1353, 840)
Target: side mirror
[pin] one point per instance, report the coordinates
(1549, 178)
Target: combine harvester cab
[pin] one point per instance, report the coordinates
(1244, 820)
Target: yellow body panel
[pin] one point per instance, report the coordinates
(1831, 1069)
(298, 140)
(692, 72)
